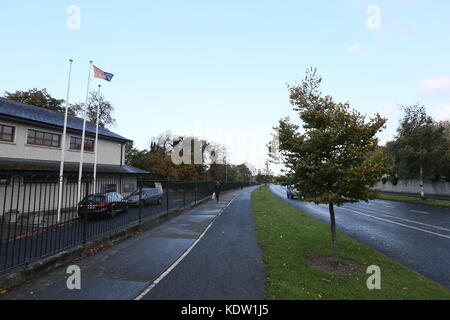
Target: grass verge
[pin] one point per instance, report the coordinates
(288, 237)
(432, 202)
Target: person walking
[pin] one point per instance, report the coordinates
(217, 188)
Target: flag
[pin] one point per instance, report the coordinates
(98, 73)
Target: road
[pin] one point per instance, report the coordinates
(208, 252)
(225, 265)
(415, 235)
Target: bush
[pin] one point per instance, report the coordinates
(394, 180)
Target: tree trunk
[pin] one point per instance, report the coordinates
(422, 192)
(333, 231)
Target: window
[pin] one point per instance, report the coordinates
(6, 133)
(109, 188)
(75, 144)
(41, 138)
(128, 187)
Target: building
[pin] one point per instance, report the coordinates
(30, 153)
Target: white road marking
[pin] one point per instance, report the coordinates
(403, 219)
(381, 201)
(177, 262)
(407, 220)
(424, 212)
(390, 207)
(397, 223)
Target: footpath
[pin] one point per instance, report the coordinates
(207, 252)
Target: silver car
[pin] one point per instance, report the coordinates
(149, 195)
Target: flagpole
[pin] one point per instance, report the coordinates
(80, 174)
(63, 145)
(96, 136)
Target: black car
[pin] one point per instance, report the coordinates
(102, 204)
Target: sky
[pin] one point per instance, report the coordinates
(220, 69)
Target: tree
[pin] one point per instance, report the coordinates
(446, 160)
(267, 176)
(333, 160)
(158, 161)
(421, 147)
(245, 172)
(130, 153)
(106, 110)
(39, 98)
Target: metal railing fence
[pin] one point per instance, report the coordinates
(29, 225)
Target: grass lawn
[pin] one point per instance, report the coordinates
(288, 237)
(433, 202)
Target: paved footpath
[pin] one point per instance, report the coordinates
(208, 252)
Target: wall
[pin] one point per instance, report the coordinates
(109, 152)
(413, 186)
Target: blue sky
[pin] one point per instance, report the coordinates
(220, 69)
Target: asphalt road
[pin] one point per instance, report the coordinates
(415, 235)
(225, 265)
(211, 252)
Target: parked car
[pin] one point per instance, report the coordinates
(292, 192)
(149, 195)
(102, 204)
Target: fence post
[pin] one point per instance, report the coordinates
(195, 192)
(140, 199)
(85, 215)
(184, 194)
(167, 198)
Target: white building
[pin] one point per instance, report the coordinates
(30, 153)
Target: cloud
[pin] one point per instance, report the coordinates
(436, 86)
(357, 49)
(443, 113)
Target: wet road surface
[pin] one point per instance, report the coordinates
(415, 235)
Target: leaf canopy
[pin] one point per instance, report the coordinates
(335, 157)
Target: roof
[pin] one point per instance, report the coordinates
(38, 115)
(27, 165)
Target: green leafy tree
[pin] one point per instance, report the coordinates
(265, 176)
(332, 160)
(39, 98)
(157, 159)
(106, 110)
(446, 160)
(420, 150)
(245, 173)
